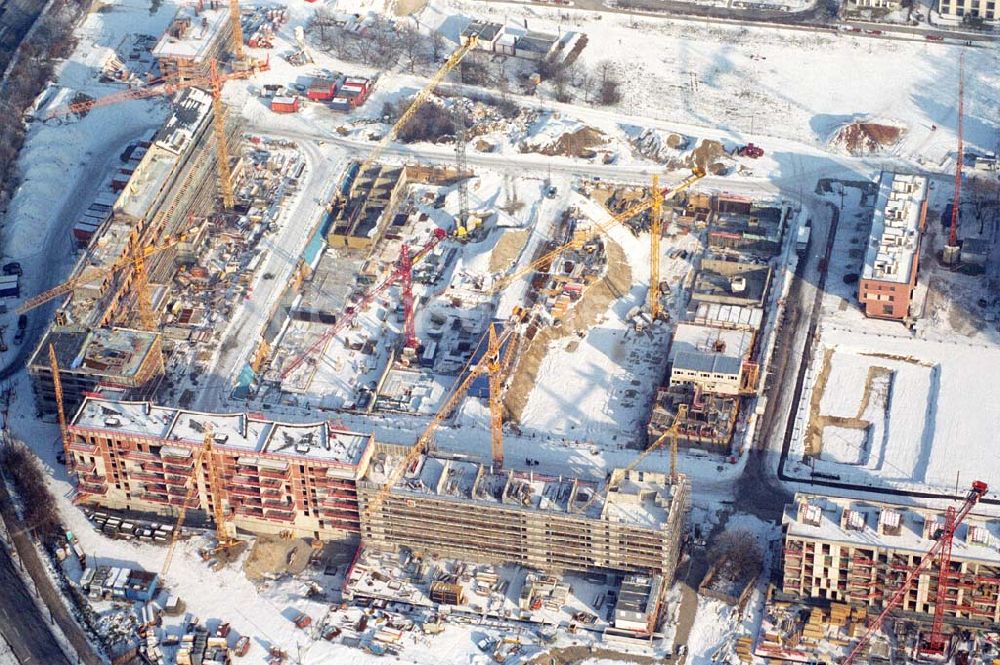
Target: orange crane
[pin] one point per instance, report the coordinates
(94, 274)
(234, 18)
(655, 231)
(487, 363)
(622, 217)
(951, 250)
(941, 550)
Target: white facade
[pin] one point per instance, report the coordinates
(960, 9)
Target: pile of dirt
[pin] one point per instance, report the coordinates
(710, 156)
(861, 138)
(507, 248)
(579, 143)
(616, 282)
(276, 556)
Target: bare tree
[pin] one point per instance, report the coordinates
(605, 84)
(984, 198)
(411, 43)
(437, 45)
(738, 553)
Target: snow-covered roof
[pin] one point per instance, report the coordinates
(887, 526)
(251, 432)
(707, 341)
(192, 33)
(896, 226)
(637, 498)
(728, 316)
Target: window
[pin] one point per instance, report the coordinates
(887, 309)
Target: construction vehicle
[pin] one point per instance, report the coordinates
(936, 642)
(546, 259)
(404, 272)
(750, 150)
(424, 441)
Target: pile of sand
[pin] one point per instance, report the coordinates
(579, 143)
(861, 138)
(659, 147)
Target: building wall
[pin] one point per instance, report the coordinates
(77, 382)
(984, 9)
(712, 382)
(885, 300)
(543, 540)
(260, 493)
(891, 300)
(847, 572)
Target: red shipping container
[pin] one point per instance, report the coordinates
(285, 104)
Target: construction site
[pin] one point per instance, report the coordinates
(404, 291)
(394, 398)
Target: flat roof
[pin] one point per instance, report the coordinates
(176, 137)
(896, 225)
(691, 339)
(192, 33)
(887, 526)
(637, 498)
(251, 432)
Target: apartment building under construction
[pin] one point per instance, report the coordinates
(318, 480)
(173, 183)
(131, 360)
(465, 510)
(859, 552)
(269, 476)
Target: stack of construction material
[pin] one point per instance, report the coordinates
(744, 649)
(814, 628)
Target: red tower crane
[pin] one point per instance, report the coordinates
(959, 156)
(936, 642)
(404, 272)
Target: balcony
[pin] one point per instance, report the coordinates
(280, 515)
(92, 487)
(250, 511)
(84, 467)
(181, 469)
(139, 456)
(83, 446)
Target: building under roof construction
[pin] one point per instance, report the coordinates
(89, 359)
(466, 510)
(890, 270)
(196, 35)
(857, 551)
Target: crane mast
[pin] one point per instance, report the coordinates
(951, 250)
(654, 249)
(940, 550)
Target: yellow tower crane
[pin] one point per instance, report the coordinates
(234, 18)
(93, 274)
(655, 231)
(60, 407)
(621, 218)
(496, 342)
(673, 434)
(192, 492)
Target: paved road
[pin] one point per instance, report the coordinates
(816, 19)
(21, 623)
(29, 630)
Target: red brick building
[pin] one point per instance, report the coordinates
(885, 289)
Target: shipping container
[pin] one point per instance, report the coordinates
(9, 286)
(285, 104)
(340, 104)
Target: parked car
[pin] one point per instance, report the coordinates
(13, 268)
